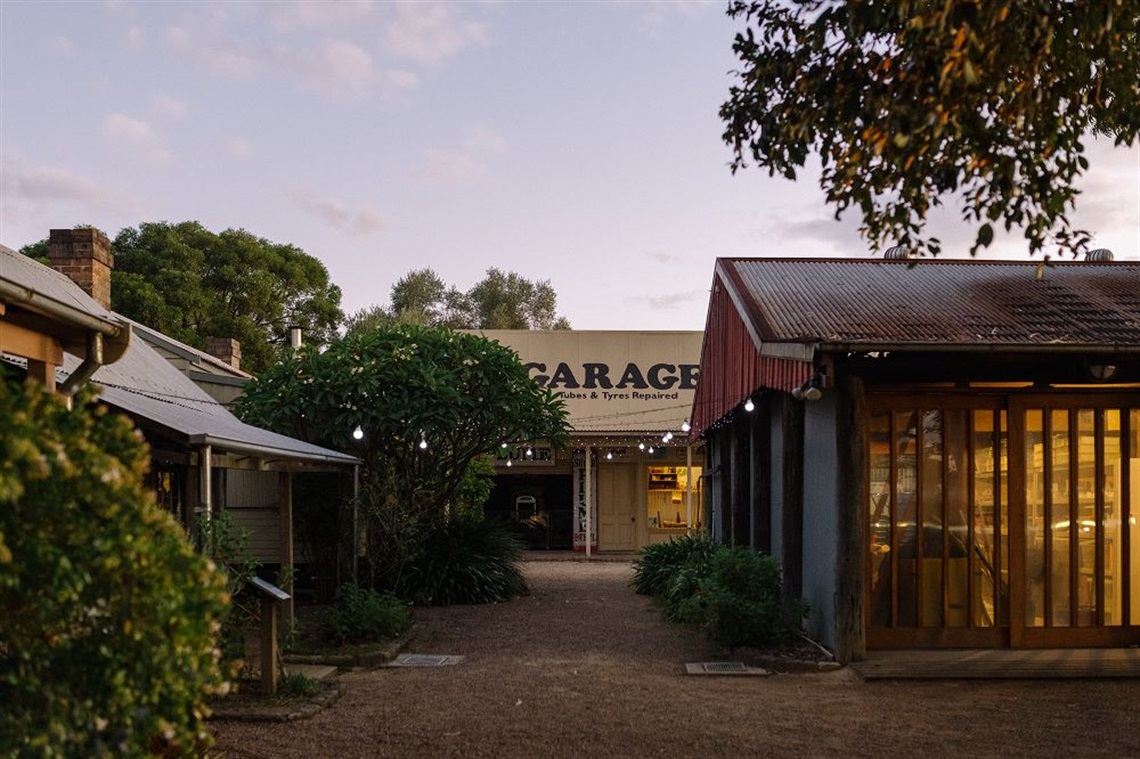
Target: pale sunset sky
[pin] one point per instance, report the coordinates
(577, 142)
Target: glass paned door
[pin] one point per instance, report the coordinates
(1078, 527)
(938, 508)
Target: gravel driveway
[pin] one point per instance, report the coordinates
(583, 667)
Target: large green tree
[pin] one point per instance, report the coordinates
(109, 617)
(429, 403)
(191, 284)
(501, 300)
(908, 101)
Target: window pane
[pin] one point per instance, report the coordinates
(905, 446)
(986, 463)
(932, 507)
(1134, 512)
(1085, 528)
(1060, 522)
(1035, 476)
(1113, 534)
(880, 513)
(954, 437)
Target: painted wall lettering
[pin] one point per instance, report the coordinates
(593, 376)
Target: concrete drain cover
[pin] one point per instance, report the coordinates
(723, 668)
(424, 660)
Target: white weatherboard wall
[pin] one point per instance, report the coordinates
(821, 517)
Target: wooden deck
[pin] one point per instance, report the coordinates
(987, 664)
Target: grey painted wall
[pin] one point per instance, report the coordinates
(775, 432)
(714, 483)
(821, 534)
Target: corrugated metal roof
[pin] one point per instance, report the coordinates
(49, 283)
(145, 384)
(983, 303)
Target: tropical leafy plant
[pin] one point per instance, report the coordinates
(658, 564)
(107, 644)
(465, 560)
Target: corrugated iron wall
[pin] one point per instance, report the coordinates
(731, 365)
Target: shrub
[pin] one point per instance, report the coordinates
(464, 561)
(228, 546)
(298, 685)
(107, 641)
(740, 601)
(658, 564)
(363, 615)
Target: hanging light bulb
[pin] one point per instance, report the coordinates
(529, 452)
(508, 462)
(423, 441)
(357, 433)
(609, 454)
(749, 405)
(503, 444)
(685, 426)
(641, 446)
(651, 449)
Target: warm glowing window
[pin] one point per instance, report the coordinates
(674, 498)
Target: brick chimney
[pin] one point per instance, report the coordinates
(84, 255)
(225, 349)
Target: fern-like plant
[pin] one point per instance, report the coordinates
(464, 560)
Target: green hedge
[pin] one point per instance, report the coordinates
(109, 616)
(734, 594)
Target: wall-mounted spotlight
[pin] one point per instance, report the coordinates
(809, 391)
(1102, 372)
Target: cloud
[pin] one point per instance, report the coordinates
(357, 222)
(448, 166)
(671, 301)
(50, 183)
(841, 237)
(430, 33)
(39, 192)
(135, 134)
(469, 161)
(336, 67)
(136, 38)
(240, 149)
(224, 55)
(169, 106)
(60, 45)
(302, 15)
(662, 257)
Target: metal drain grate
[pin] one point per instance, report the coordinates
(424, 660)
(722, 668)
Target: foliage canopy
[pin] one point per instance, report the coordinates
(110, 616)
(501, 300)
(190, 284)
(906, 101)
(430, 403)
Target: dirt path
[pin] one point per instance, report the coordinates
(583, 667)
